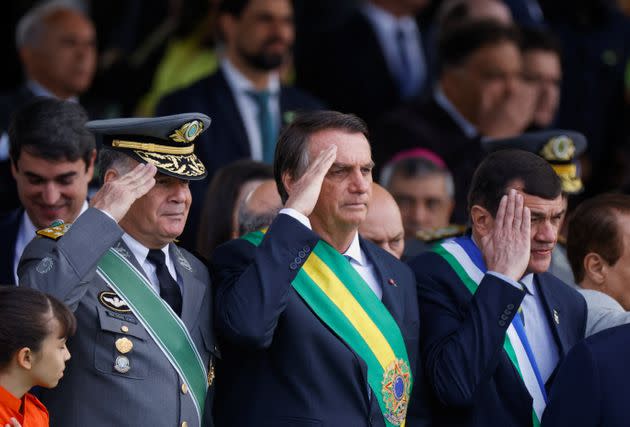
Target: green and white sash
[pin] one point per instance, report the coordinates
(465, 259)
(343, 300)
(159, 320)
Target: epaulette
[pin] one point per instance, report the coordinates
(55, 231)
(451, 230)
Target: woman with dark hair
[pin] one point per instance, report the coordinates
(33, 332)
(219, 215)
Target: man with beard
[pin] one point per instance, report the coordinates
(245, 94)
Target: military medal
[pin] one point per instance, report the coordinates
(124, 345)
(122, 364)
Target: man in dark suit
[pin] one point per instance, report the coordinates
(494, 323)
(57, 47)
(144, 348)
(52, 161)
(592, 385)
(245, 94)
(371, 62)
(480, 93)
(297, 307)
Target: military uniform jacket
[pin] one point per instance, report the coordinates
(92, 392)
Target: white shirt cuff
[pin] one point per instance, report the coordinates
(297, 215)
(507, 279)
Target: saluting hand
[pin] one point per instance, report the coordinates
(304, 192)
(117, 195)
(506, 249)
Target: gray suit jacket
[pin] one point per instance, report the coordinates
(603, 311)
(92, 392)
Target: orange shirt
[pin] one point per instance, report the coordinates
(29, 411)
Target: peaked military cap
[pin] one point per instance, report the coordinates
(561, 148)
(166, 142)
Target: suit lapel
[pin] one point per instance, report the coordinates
(193, 289)
(232, 117)
(392, 295)
(553, 310)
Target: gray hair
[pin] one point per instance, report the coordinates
(32, 25)
(112, 159)
(416, 167)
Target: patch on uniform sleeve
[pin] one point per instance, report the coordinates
(55, 231)
(45, 265)
(113, 302)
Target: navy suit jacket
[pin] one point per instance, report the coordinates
(225, 141)
(472, 380)
(9, 226)
(593, 383)
(281, 365)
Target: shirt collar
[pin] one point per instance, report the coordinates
(528, 281)
(386, 21)
(29, 229)
(354, 251)
(239, 83)
(39, 90)
(468, 128)
(9, 401)
(140, 251)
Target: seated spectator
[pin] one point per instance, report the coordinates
(424, 190)
(57, 47)
(383, 224)
(599, 252)
(52, 162)
(542, 69)
(34, 328)
(244, 96)
(219, 218)
(259, 207)
(480, 93)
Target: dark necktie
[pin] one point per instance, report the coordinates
(405, 82)
(169, 289)
(265, 123)
(520, 308)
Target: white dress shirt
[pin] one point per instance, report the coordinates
(240, 85)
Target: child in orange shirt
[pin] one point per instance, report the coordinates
(33, 332)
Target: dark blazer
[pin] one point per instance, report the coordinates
(472, 380)
(282, 366)
(593, 383)
(347, 69)
(9, 226)
(226, 140)
(428, 125)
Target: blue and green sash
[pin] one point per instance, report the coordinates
(466, 260)
(343, 300)
(162, 324)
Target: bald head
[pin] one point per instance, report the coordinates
(260, 207)
(383, 224)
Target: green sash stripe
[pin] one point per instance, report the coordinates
(374, 308)
(360, 319)
(472, 286)
(164, 326)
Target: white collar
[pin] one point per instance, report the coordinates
(354, 251)
(39, 90)
(140, 251)
(440, 97)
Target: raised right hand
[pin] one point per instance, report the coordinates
(304, 192)
(116, 196)
(506, 249)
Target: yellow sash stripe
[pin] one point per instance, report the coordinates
(328, 282)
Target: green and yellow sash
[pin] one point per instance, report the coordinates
(162, 324)
(342, 300)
